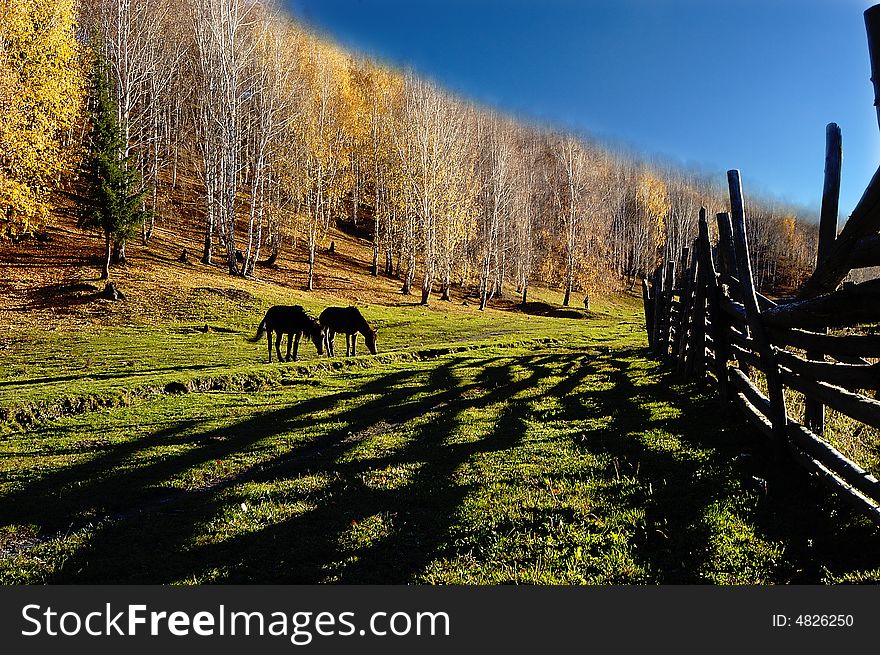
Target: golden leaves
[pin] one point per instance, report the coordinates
(41, 93)
(653, 199)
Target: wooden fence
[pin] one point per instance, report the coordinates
(712, 324)
(704, 314)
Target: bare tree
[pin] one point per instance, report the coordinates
(498, 169)
(226, 36)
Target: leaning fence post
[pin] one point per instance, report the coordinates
(779, 417)
(687, 347)
(726, 262)
(872, 25)
(814, 411)
(726, 250)
(695, 357)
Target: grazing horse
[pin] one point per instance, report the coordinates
(349, 321)
(293, 321)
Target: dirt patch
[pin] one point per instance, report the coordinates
(17, 538)
(204, 329)
(89, 444)
(229, 293)
(63, 296)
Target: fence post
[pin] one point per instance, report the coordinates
(713, 306)
(658, 308)
(726, 250)
(695, 343)
(649, 312)
(680, 333)
(688, 282)
(778, 414)
(872, 27)
(666, 323)
(814, 411)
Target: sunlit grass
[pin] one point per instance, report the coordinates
(459, 458)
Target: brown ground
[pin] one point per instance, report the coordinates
(56, 281)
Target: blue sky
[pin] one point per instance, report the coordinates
(745, 84)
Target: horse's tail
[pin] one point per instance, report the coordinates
(261, 330)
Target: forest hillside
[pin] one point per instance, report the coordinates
(224, 129)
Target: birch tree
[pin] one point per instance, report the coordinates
(271, 113)
(226, 36)
(324, 136)
(498, 195)
(428, 142)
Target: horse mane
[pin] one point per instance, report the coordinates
(362, 325)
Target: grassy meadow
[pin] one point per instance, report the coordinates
(150, 442)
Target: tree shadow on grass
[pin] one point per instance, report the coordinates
(670, 438)
(108, 482)
(310, 546)
(535, 308)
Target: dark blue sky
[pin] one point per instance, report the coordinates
(746, 84)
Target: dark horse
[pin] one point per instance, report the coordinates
(293, 321)
(349, 321)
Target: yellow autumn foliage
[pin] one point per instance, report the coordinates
(789, 229)
(41, 95)
(653, 199)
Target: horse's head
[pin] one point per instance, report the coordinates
(316, 334)
(371, 337)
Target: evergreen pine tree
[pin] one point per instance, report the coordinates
(116, 207)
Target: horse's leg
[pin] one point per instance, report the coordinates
(354, 339)
(289, 344)
(295, 345)
(331, 335)
(269, 337)
(279, 336)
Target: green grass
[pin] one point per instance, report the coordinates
(470, 452)
(48, 372)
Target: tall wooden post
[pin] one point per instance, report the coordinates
(666, 325)
(688, 281)
(680, 325)
(814, 411)
(778, 414)
(864, 220)
(695, 355)
(726, 263)
(872, 25)
(830, 190)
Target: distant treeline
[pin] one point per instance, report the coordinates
(278, 134)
